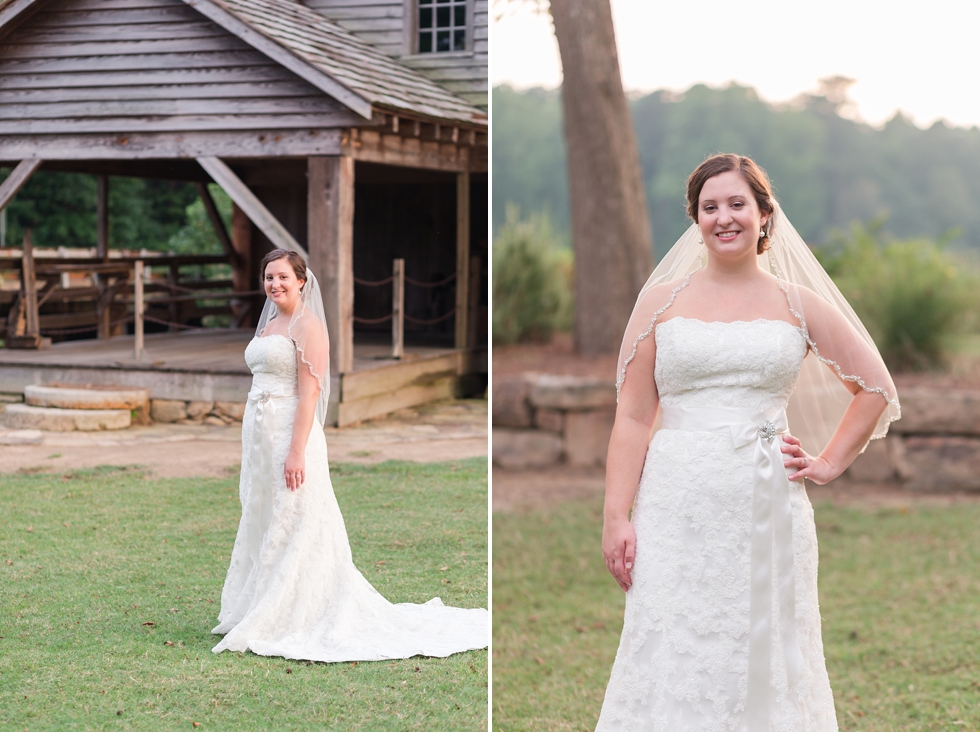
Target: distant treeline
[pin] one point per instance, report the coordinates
(828, 171)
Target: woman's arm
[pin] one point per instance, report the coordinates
(839, 342)
(309, 392)
(635, 417)
(851, 435)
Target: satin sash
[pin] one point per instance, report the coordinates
(772, 522)
(266, 392)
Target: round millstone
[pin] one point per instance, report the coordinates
(52, 419)
(64, 397)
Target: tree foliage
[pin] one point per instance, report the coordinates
(60, 209)
(828, 171)
(910, 294)
(532, 281)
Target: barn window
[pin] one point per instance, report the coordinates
(442, 25)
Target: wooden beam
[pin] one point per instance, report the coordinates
(216, 222)
(16, 180)
(462, 258)
(330, 233)
(256, 143)
(374, 147)
(13, 13)
(250, 204)
(262, 43)
(102, 218)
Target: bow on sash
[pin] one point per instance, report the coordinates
(265, 398)
(772, 519)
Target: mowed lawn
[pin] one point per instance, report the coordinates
(110, 583)
(900, 602)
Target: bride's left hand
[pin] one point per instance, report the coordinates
(295, 470)
(812, 468)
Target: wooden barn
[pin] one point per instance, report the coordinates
(353, 132)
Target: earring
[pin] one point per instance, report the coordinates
(700, 240)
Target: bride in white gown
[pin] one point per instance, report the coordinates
(719, 562)
(292, 589)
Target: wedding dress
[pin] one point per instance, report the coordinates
(683, 663)
(292, 589)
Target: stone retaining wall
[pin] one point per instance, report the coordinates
(173, 410)
(541, 420)
(176, 410)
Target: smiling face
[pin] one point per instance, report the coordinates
(281, 285)
(729, 216)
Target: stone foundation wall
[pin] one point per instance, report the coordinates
(541, 420)
(181, 412)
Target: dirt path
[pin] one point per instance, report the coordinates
(433, 433)
(532, 490)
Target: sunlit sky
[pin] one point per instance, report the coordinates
(921, 58)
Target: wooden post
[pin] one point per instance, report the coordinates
(23, 324)
(476, 269)
(330, 236)
(398, 309)
(138, 311)
(245, 313)
(102, 218)
(28, 274)
(173, 277)
(462, 257)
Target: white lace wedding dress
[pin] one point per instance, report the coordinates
(683, 660)
(292, 589)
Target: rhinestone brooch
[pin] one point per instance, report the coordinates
(767, 430)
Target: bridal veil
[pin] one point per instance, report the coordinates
(842, 349)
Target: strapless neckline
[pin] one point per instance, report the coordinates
(728, 322)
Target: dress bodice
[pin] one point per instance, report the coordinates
(272, 359)
(751, 364)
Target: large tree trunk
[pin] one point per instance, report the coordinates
(610, 227)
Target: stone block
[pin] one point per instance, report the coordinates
(939, 463)
(216, 421)
(52, 419)
(524, 449)
(510, 404)
(875, 463)
(587, 436)
(569, 393)
(933, 411)
(168, 410)
(233, 410)
(65, 397)
(552, 420)
(197, 410)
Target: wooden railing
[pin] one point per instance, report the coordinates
(112, 295)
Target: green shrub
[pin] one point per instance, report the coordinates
(911, 295)
(532, 281)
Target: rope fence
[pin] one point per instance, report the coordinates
(398, 316)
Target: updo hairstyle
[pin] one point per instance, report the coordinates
(754, 175)
(295, 260)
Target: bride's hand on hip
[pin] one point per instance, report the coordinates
(806, 466)
(295, 470)
(619, 550)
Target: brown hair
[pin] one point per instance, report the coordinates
(749, 170)
(295, 260)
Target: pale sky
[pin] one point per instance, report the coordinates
(919, 57)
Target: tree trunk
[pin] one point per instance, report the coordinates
(610, 227)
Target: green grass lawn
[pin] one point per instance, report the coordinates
(110, 584)
(900, 601)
